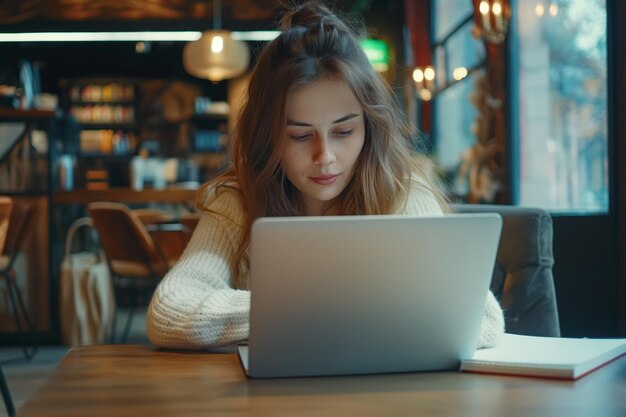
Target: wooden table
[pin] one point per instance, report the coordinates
(143, 381)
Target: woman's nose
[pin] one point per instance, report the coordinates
(324, 153)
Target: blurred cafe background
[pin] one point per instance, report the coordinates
(110, 107)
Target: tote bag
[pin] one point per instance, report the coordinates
(87, 301)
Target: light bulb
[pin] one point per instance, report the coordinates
(539, 10)
(459, 73)
(553, 10)
(429, 73)
(484, 7)
(418, 75)
(217, 44)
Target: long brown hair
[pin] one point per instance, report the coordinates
(314, 44)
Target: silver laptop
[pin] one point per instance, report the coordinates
(367, 294)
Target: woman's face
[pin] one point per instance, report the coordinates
(324, 136)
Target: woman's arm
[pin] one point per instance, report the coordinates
(195, 306)
(492, 325)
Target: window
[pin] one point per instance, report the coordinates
(448, 14)
(457, 59)
(454, 117)
(559, 104)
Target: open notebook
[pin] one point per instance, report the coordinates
(550, 357)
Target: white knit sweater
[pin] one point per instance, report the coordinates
(195, 306)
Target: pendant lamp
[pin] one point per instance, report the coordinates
(216, 56)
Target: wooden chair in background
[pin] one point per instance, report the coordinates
(6, 205)
(167, 233)
(152, 216)
(135, 263)
(20, 219)
(189, 222)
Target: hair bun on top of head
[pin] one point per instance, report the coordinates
(310, 14)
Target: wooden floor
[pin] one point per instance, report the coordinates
(26, 377)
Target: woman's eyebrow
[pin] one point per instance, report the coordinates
(296, 123)
(346, 117)
(349, 116)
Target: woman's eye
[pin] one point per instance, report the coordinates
(300, 137)
(343, 133)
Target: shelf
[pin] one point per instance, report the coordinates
(109, 156)
(14, 115)
(109, 126)
(222, 150)
(127, 195)
(209, 116)
(39, 193)
(161, 124)
(99, 102)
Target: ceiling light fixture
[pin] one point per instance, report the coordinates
(147, 36)
(99, 36)
(216, 55)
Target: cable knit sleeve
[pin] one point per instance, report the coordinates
(492, 325)
(195, 306)
(422, 202)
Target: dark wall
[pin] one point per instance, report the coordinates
(617, 62)
(585, 274)
(102, 59)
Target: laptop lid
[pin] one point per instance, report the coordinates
(339, 295)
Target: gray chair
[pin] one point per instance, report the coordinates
(522, 279)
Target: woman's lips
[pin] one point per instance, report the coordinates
(325, 179)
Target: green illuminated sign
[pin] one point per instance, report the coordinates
(377, 53)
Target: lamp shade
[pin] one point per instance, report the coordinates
(216, 56)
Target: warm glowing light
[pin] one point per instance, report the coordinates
(418, 75)
(217, 44)
(539, 10)
(459, 73)
(484, 7)
(553, 10)
(497, 9)
(426, 95)
(493, 22)
(216, 56)
(140, 47)
(429, 73)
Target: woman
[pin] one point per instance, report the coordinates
(320, 134)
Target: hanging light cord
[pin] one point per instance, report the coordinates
(217, 15)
